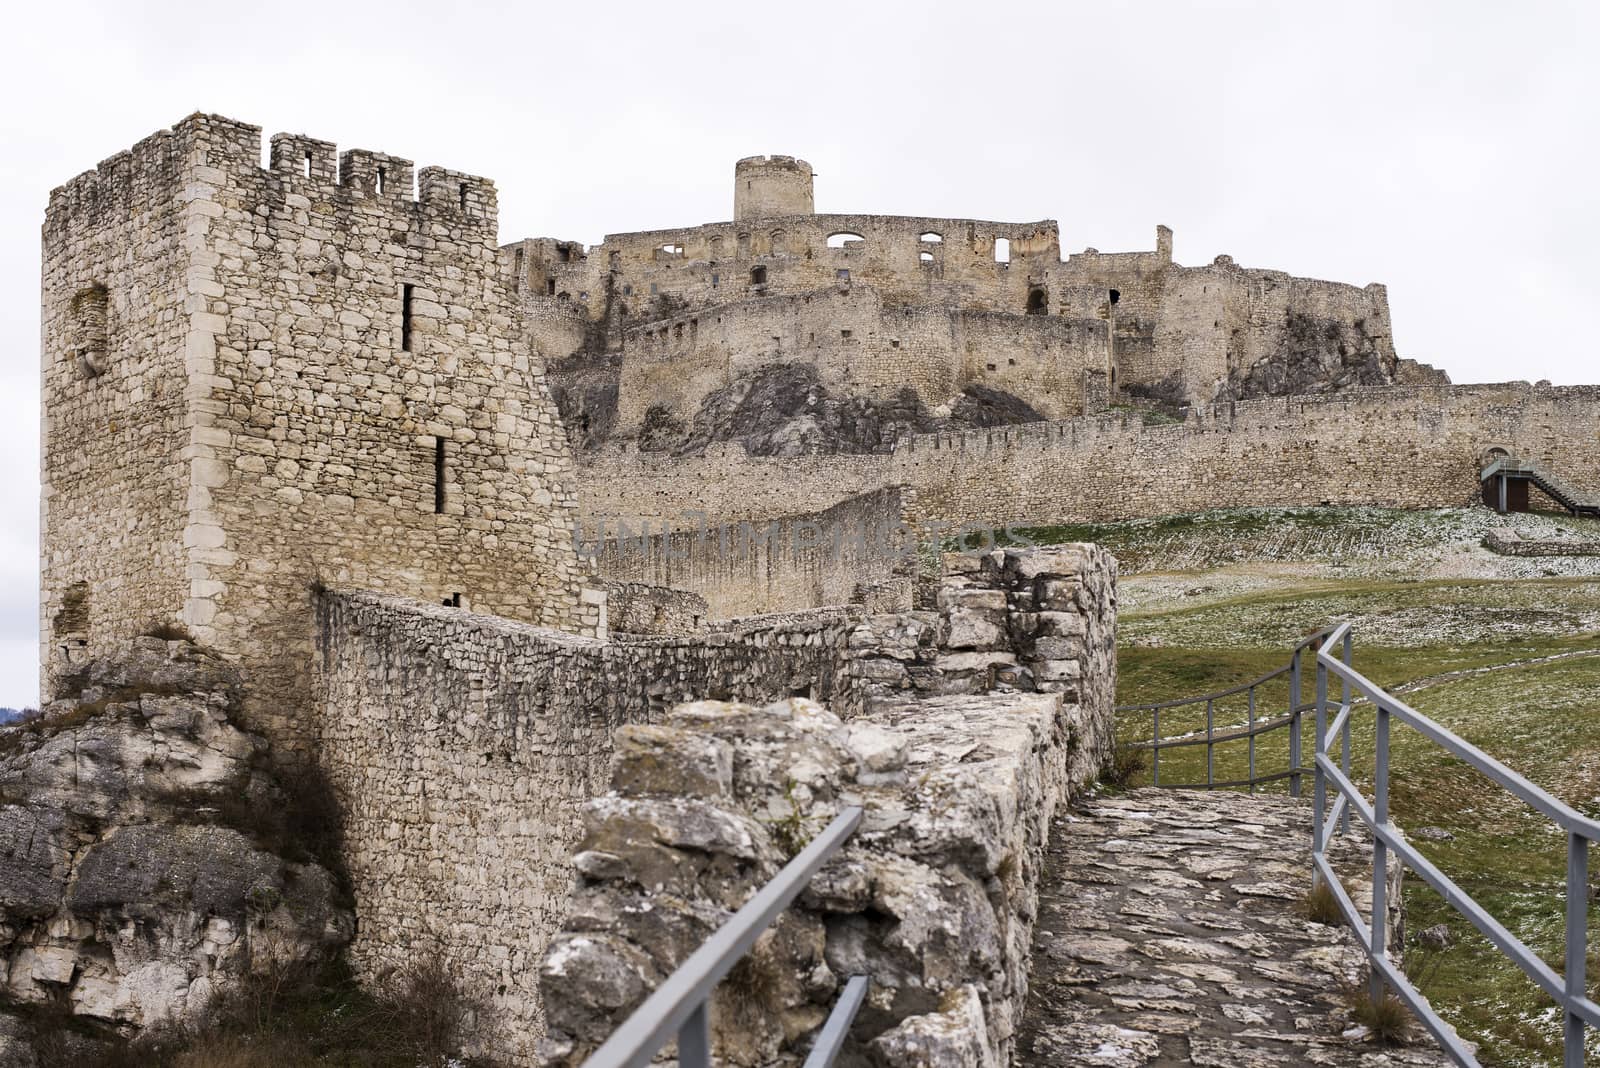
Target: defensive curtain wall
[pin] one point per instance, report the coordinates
(462, 745)
(855, 552)
(1406, 447)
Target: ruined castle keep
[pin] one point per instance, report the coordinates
(915, 323)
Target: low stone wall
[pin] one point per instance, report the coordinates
(462, 745)
(933, 898)
(1507, 542)
(640, 608)
(840, 555)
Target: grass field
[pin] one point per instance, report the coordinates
(1511, 665)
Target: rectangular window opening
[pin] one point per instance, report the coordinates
(438, 476)
(463, 196)
(381, 177)
(405, 317)
(308, 164)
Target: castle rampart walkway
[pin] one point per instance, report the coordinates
(1170, 932)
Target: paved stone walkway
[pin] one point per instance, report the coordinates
(1169, 933)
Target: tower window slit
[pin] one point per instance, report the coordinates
(438, 476)
(405, 317)
(381, 177)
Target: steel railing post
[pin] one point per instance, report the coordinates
(1345, 699)
(694, 1039)
(1295, 698)
(1252, 723)
(1577, 945)
(1319, 783)
(1210, 746)
(1380, 852)
(1155, 748)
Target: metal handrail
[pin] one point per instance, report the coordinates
(1506, 467)
(1567, 988)
(1290, 719)
(680, 1005)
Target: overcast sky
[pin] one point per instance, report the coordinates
(1447, 150)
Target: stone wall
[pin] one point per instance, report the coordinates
(462, 746)
(1507, 541)
(640, 608)
(114, 481)
(796, 562)
(935, 895)
(1407, 447)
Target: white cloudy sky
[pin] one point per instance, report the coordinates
(1446, 149)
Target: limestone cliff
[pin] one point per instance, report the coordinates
(151, 852)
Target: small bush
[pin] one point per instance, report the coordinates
(1321, 905)
(1127, 765)
(1387, 1019)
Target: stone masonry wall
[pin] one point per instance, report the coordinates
(462, 745)
(114, 480)
(1407, 447)
(797, 562)
(933, 898)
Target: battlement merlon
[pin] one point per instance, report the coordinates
(153, 172)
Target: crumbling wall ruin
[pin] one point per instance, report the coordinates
(463, 745)
(795, 562)
(933, 898)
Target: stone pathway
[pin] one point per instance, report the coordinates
(1169, 933)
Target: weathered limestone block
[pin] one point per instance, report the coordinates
(953, 1037)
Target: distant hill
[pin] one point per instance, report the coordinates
(11, 715)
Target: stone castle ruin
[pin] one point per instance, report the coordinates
(314, 418)
(798, 332)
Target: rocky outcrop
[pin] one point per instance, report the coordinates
(779, 409)
(1325, 355)
(151, 852)
(933, 898)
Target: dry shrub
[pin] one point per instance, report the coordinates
(1127, 764)
(1321, 905)
(1387, 1018)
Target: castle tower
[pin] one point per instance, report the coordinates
(257, 380)
(766, 187)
